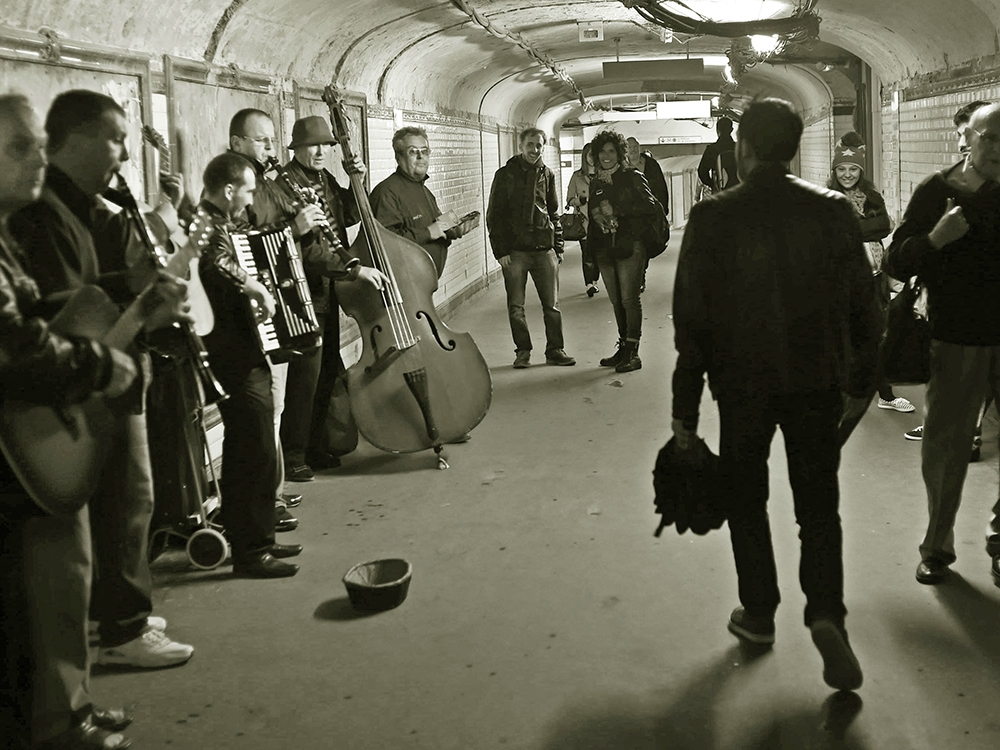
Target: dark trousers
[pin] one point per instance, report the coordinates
(15, 684)
(300, 393)
(591, 271)
(333, 429)
(248, 459)
(809, 424)
(622, 279)
(543, 267)
(121, 511)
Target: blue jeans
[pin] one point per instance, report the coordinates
(622, 280)
(543, 266)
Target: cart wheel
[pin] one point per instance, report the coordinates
(207, 549)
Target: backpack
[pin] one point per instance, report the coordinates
(725, 175)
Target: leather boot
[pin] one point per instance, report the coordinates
(617, 358)
(630, 357)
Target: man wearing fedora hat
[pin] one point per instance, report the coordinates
(312, 377)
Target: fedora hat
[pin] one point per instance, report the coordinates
(311, 131)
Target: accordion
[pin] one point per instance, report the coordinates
(273, 259)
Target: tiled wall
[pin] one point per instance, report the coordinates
(816, 151)
(918, 139)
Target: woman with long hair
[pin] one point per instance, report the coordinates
(622, 209)
(577, 195)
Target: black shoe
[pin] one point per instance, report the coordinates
(995, 570)
(264, 565)
(630, 357)
(522, 358)
(290, 501)
(841, 670)
(299, 474)
(977, 444)
(111, 719)
(285, 550)
(323, 461)
(931, 571)
(759, 630)
(559, 357)
(615, 359)
(592, 290)
(285, 521)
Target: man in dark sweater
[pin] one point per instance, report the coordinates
(948, 238)
(774, 300)
(717, 168)
(403, 204)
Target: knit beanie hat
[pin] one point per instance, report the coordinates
(850, 149)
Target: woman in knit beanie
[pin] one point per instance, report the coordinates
(848, 177)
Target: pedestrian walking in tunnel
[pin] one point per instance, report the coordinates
(523, 223)
(779, 310)
(948, 239)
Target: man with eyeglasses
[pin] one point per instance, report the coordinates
(404, 205)
(948, 238)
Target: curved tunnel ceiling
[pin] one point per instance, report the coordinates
(430, 55)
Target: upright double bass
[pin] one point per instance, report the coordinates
(418, 384)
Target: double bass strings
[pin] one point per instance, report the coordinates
(402, 333)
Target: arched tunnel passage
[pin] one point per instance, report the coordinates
(473, 74)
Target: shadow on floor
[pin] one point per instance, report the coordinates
(695, 716)
(977, 613)
(339, 610)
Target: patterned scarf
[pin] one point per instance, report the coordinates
(605, 174)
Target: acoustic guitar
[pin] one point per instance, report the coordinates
(58, 453)
(201, 308)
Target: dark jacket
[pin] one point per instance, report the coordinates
(407, 207)
(232, 345)
(321, 262)
(523, 213)
(37, 365)
(74, 239)
(657, 182)
(708, 167)
(631, 202)
(773, 295)
(963, 277)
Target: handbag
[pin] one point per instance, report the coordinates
(573, 226)
(657, 233)
(690, 492)
(906, 345)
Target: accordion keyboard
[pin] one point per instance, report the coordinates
(273, 258)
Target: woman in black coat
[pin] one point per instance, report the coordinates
(622, 209)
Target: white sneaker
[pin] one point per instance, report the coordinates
(151, 649)
(899, 404)
(155, 623)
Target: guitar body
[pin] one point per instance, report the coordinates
(58, 454)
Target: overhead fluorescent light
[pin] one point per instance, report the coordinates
(626, 116)
(684, 110)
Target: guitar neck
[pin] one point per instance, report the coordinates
(128, 326)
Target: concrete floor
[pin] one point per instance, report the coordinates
(544, 615)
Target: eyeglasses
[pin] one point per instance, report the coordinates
(263, 139)
(990, 139)
(418, 152)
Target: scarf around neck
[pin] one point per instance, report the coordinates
(605, 174)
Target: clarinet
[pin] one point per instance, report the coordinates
(309, 196)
